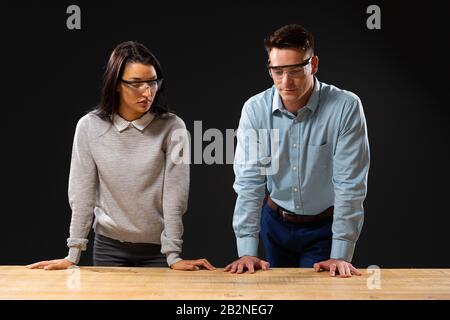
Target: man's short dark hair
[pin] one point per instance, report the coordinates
(292, 36)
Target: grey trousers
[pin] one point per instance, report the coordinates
(113, 253)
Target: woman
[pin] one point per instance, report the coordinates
(123, 171)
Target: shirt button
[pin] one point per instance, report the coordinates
(294, 145)
(298, 207)
(295, 189)
(294, 168)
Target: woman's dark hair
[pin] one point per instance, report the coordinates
(128, 52)
(290, 36)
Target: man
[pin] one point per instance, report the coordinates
(312, 201)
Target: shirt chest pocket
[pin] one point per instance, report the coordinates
(319, 155)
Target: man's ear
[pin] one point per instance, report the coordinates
(314, 65)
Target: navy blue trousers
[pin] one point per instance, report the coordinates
(289, 245)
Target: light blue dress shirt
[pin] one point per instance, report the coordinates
(308, 162)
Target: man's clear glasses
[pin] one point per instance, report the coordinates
(292, 70)
(143, 85)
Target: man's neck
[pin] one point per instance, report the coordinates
(294, 106)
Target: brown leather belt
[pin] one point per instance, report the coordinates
(300, 219)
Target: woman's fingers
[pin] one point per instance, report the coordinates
(40, 264)
(57, 264)
(53, 266)
(205, 263)
(192, 265)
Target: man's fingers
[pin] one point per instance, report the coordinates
(341, 269)
(332, 269)
(250, 267)
(355, 271)
(234, 267)
(317, 266)
(347, 270)
(246, 263)
(265, 265)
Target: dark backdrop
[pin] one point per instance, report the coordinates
(213, 58)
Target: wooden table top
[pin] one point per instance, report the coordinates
(17, 282)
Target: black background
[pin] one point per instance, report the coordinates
(213, 59)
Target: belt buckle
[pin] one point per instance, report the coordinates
(284, 213)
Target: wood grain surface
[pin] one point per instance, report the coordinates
(17, 282)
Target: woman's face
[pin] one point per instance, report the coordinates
(136, 90)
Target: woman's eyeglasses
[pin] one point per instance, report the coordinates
(143, 85)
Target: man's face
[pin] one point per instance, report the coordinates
(296, 80)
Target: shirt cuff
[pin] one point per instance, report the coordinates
(74, 255)
(342, 250)
(247, 246)
(172, 258)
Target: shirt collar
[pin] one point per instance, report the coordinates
(121, 124)
(313, 101)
